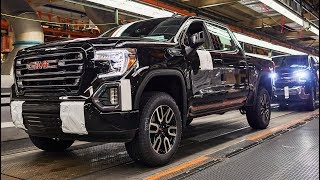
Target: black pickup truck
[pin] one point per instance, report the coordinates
(296, 80)
(140, 83)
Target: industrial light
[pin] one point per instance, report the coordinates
(265, 44)
(134, 7)
(289, 14)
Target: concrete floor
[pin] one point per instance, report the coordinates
(292, 155)
(207, 135)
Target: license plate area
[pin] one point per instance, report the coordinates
(286, 92)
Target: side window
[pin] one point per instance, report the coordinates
(221, 38)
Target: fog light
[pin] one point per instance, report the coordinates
(114, 96)
(109, 97)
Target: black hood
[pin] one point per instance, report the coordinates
(110, 42)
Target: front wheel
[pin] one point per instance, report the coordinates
(258, 116)
(311, 103)
(159, 132)
(51, 144)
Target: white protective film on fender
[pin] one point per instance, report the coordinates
(16, 114)
(205, 60)
(72, 117)
(126, 102)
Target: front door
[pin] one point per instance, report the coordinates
(205, 75)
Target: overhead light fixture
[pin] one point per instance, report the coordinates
(134, 7)
(265, 44)
(289, 14)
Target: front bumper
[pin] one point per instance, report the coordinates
(78, 117)
(74, 120)
(294, 94)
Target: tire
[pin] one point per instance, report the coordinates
(311, 104)
(146, 148)
(50, 144)
(189, 121)
(258, 116)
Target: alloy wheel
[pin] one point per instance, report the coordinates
(162, 129)
(265, 106)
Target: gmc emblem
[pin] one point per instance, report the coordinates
(41, 65)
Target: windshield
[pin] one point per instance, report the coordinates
(291, 61)
(161, 29)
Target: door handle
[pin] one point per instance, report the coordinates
(218, 61)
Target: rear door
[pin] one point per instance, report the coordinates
(234, 76)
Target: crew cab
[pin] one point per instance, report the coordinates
(140, 83)
(296, 80)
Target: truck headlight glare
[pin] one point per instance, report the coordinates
(301, 75)
(273, 76)
(118, 61)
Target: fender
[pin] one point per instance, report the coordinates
(164, 72)
(253, 94)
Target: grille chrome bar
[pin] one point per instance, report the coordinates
(66, 75)
(50, 73)
(51, 79)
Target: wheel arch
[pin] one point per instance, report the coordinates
(160, 76)
(264, 80)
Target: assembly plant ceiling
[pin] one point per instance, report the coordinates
(247, 14)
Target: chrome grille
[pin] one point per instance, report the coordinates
(67, 66)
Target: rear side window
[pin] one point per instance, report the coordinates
(220, 38)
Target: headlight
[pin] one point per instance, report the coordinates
(273, 76)
(114, 61)
(301, 76)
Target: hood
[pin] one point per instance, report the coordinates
(289, 69)
(100, 42)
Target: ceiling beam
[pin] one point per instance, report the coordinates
(269, 21)
(313, 43)
(296, 35)
(275, 20)
(232, 12)
(282, 9)
(209, 3)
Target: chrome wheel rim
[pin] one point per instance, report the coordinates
(162, 129)
(265, 106)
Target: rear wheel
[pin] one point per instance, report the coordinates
(159, 132)
(258, 116)
(51, 144)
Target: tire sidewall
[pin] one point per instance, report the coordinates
(145, 117)
(311, 102)
(263, 121)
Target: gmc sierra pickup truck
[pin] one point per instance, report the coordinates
(140, 83)
(296, 80)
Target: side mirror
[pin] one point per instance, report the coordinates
(197, 40)
(316, 67)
